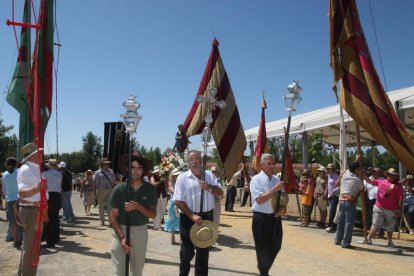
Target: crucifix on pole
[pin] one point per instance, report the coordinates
(210, 102)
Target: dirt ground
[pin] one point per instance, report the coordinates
(84, 250)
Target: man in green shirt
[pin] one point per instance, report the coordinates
(141, 206)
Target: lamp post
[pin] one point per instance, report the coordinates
(131, 119)
(292, 100)
(209, 102)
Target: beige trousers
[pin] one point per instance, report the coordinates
(139, 240)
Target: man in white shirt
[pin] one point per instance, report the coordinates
(30, 185)
(195, 199)
(267, 225)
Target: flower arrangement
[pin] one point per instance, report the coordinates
(170, 161)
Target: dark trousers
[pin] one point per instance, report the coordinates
(52, 227)
(187, 248)
(267, 234)
(333, 203)
(246, 194)
(230, 198)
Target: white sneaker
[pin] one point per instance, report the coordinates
(369, 241)
(390, 243)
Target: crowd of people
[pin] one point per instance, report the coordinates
(389, 201)
(187, 201)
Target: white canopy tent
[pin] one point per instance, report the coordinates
(326, 121)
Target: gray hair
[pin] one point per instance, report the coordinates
(266, 156)
(193, 151)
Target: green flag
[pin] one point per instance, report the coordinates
(17, 95)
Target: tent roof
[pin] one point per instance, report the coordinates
(326, 121)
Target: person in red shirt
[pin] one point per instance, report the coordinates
(388, 205)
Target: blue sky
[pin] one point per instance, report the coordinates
(158, 50)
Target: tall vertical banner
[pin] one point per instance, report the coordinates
(19, 86)
(289, 175)
(42, 71)
(116, 142)
(361, 93)
(261, 142)
(228, 133)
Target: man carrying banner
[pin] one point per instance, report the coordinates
(266, 225)
(187, 197)
(140, 207)
(29, 183)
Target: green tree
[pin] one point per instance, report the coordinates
(8, 144)
(92, 150)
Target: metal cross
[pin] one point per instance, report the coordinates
(210, 102)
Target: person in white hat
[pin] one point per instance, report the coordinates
(30, 185)
(68, 214)
(320, 197)
(54, 188)
(187, 196)
(388, 205)
(160, 185)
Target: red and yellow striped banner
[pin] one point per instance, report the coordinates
(362, 94)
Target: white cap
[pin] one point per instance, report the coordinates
(62, 165)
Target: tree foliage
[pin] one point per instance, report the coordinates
(8, 144)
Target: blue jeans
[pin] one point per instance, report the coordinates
(67, 205)
(345, 222)
(333, 203)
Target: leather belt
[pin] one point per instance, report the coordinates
(23, 202)
(28, 206)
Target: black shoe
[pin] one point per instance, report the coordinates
(50, 245)
(17, 244)
(347, 246)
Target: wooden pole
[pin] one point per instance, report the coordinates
(363, 196)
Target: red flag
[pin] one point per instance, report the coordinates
(42, 71)
(362, 94)
(261, 142)
(289, 175)
(227, 129)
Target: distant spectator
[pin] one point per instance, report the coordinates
(54, 188)
(10, 190)
(332, 194)
(104, 180)
(388, 205)
(87, 192)
(68, 214)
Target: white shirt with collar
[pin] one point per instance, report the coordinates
(28, 176)
(259, 184)
(187, 189)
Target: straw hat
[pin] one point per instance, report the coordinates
(322, 169)
(105, 161)
(204, 235)
(303, 178)
(214, 169)
(29, 150)
(393, 171)
(156, 169)
(330, 166)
